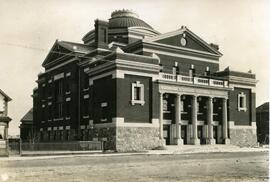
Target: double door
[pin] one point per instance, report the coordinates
(201, 135)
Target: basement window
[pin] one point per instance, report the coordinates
(242, 102)
(137, 95)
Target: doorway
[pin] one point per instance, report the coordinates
(166, 134)
(200, 135)
(184, 133)
(215, 130)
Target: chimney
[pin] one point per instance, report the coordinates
(101, 34)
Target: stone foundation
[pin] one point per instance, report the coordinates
(137, 138)
(3, 149)
(243, 136)
(107, 135)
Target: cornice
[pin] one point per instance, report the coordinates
(180, 49)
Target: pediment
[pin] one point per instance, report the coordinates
(184, 38)
(57, 51)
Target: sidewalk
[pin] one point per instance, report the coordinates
(191, 149)
(169, 150)
(47, 153)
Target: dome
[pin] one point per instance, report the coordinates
(125, 19)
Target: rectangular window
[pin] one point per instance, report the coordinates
(104, 111)
(59, 110)
(58, 87)
(192, 71)
(174, 71)
(137, 93)
(207, 71)
(67, 87)
(242, 102)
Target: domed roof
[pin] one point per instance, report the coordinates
(125, 19)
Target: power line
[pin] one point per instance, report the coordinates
(23, 46)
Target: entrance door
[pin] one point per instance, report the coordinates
(166, 134)
(184, 133)
(200, 134)
(215, 129)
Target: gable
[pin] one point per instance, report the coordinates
(190, 42)
(63, 48)
(4, 96)
(56, 52)
(184, 38)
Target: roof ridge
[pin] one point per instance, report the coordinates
(5, 95)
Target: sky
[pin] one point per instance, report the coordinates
(28, 29)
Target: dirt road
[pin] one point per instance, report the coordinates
(241, 166)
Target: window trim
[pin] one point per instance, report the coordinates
(242, 95)
(141, 86)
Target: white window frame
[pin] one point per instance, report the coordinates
(141, 86)
(244, 108)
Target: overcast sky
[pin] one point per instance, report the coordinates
(28, 28)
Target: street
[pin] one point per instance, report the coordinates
(240, 166)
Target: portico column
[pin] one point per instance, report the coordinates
(210, 139)
(179, 141)
(225, 121)
(194, 139)
(161, 118)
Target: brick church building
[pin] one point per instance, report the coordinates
(139, 89)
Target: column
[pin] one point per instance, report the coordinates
(194, 106)
(179, 140)
(210, 139)
(225, 121)
(161, 118)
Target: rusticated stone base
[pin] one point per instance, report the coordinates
(137, 138)
(106, 134)
(243, 137)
